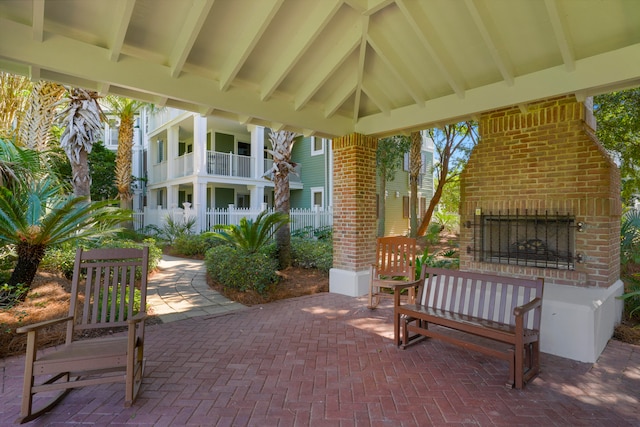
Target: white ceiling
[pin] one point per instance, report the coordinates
(328, 67)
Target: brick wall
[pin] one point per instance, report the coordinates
(546, 159)
(354, 209)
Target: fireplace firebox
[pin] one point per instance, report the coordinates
(527, 239)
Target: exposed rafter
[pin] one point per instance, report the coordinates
(423, 29)
(243, 43)
(329, 65)
(190, 30)
(362, 54)
(482, 21)
(37, 20)
(339, 96)
(561, 34)
(310, 28)
(124, 12)
(397, 64)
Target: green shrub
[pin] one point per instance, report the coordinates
(309, 253)
(196, 244)
(136, 304)
(236, 268)
(631, 296)
(61, 258)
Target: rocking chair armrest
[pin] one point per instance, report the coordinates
(39, 325)
(137, 318)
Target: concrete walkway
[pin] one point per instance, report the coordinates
(179, 291)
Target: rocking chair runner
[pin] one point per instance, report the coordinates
(103, 295)
(395, 260)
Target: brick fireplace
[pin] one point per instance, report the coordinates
(540, 197)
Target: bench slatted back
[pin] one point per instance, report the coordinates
(485, 296)
(395, 257)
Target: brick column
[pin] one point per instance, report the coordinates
(354, 213)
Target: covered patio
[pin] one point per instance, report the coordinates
(353, 71)
(327, 360)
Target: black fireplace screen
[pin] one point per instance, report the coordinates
(538, 240)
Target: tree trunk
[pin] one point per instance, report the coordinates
(426, 219)
(415, 165)
(283, 205)
(382, 206)
(81, 178)
(29, 258)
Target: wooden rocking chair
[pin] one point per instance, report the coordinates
(103, 295)
(395, 260)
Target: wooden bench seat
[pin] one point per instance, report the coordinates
(501, 309)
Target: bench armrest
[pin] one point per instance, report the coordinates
(397, 287)
(522, 309)
(39, 325)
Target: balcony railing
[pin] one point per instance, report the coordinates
(229, 164)
(219, 164)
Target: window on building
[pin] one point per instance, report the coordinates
(160, 151)
(317, 146)
(160, 198)
(317, 197)
(405, 206)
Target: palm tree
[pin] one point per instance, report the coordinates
(35, 128)
(125, 109)
(415, 165)
(282, 143)
(16, 164)
(81, 119)
(37, 215)
(14, 94)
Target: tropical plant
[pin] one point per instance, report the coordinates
(282, 143)
(81, 119)
(17, 164)
(449, 221)
(35, 128)
(14, 96)
(37, 215)
(630, 238)
(126, 110)
(389, 155)
(251, 235)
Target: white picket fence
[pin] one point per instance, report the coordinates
(301, 219)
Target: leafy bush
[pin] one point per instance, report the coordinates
(62, 257)
(448, 220)
(320, 233)
(195, 244)
(632, 296)
(236, 268)
(136, 304)
(308, 253)
(443, 259)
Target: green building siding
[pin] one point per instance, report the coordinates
(313, 173)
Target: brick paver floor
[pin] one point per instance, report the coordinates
(326, 360)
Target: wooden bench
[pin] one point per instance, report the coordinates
(501, 309)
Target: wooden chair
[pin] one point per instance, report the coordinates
(395, 260)
(102, 296)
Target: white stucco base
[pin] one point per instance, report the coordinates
(351, 283)
(578, 322)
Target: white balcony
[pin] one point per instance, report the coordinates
(229, 164)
